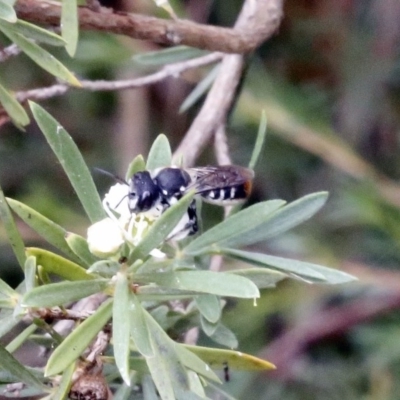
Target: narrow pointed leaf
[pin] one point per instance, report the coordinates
(64, 386)
(14, 109)
(72, 161)
(160, 154)
(18, 341)
(7, 321)
(208, 327)
(7, 12)
(139, 330)
(30, 273)
(7, 291)
(60, 293)
(40, 56)
(168, 56)
(121, 326)
(162, 227)
(149, 389)
(209, 306)
(200, 89)
(196, 385)
(49, 230)
(224, 336)
(284, 219)
(36, 33)
(166, 369)
(55, 264)
(70, 25)
(11, 231)
(236, 226)
(137, 164)
(261, 277)
(217, 358)
(195, 363)
(218, 283)
(15, 368)
(262, 130)
(77, 341)
(308, 271)
(80, 248)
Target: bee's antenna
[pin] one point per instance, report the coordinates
(111, 175)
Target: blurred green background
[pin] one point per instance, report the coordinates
(329, 82)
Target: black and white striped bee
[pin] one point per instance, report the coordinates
(221, 185)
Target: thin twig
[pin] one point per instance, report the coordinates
(261, 16)
(221, 146)
(173, 70)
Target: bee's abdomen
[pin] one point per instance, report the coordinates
(228, 195)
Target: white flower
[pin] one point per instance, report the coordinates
(117, 200)
(105, 237)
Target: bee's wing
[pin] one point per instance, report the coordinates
(209, 178)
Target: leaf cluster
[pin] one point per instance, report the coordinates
(141, 291)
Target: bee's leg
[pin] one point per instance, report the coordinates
(188, 225)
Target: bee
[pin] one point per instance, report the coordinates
(154, 192)
(221, 185)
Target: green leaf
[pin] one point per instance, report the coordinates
(15, 368)
(196, 385)
(70, 25)
(192, 361)
(308, 271)
(40, 56)
(49, 230)
(139, 331)
(236, 226)
(30, 273)
(77, 341)
(121, 326)
(219, 358)
(14, 109)
(284, 219)
(262, 130)
(209, 306)
(200, 89)
(64, 386)
(72, 161)
(7, 321)
(18, 341)
(55, 264)
(57, 294)
(149, 389)
(261, 277)
(224, 336)
(208, 327)
(168, 56)
(80, 247)
(219, 283)
(8, 291)
(11, 231)
(160, 154)
(162, 227)
(36, 33)
(169, 375)
(136, 165)
(106, 268)
(7, 12)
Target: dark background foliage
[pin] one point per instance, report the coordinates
(329, 83)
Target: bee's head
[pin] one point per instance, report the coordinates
(143, 192)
